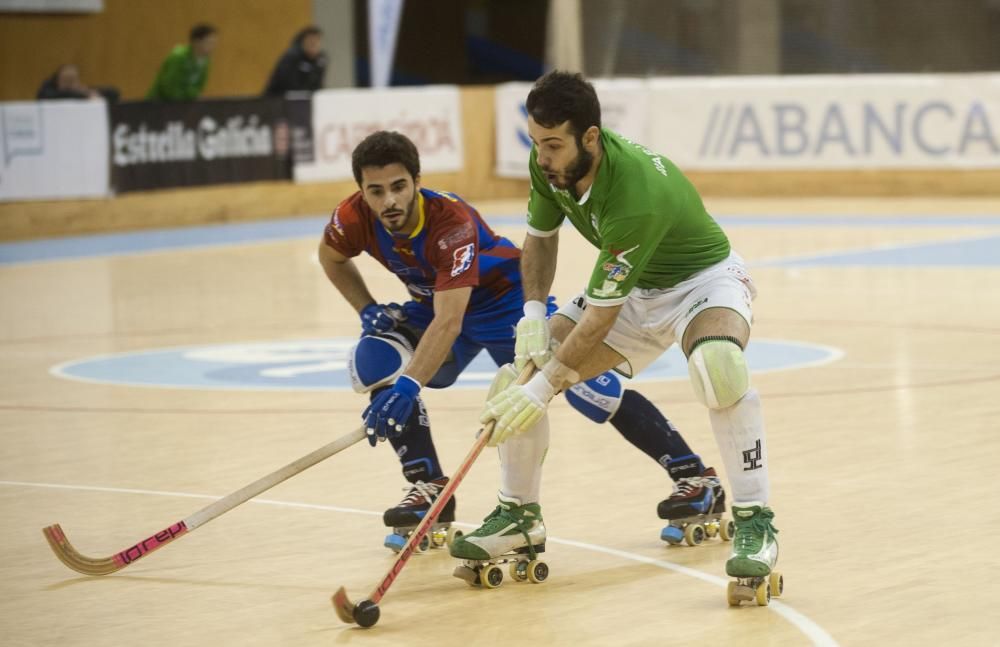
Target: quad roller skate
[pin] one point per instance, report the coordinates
(403, 518)
(696, 505)
(513, 534)
(755, 552)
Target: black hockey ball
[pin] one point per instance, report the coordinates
(366, 613)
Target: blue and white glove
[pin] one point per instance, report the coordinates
(390, 410)
(381, 317)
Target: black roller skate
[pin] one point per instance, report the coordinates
(403, 518)
(696, 505)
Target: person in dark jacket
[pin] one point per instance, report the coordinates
(302, 66)
(65, 83)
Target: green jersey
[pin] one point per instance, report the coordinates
(181, 77)
(641, 212)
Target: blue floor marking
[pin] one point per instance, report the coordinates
(957, 253)
(75, 247)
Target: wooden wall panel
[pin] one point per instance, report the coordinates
(125, 44)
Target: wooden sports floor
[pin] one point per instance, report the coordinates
(884, 451)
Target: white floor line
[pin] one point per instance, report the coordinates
(810, 629)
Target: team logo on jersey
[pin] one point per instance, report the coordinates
(463, 258)
(336, 224)
(616, 272)
(402, 269)
(456, 236)
(620, 255)
(609, 289)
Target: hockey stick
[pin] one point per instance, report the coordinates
(69, 556)
(366, 613)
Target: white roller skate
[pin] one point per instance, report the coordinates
(403, 518)
(512, 534)
(755, 553)
(696, 505)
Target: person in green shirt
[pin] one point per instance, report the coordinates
(183, 73)
(664, 274)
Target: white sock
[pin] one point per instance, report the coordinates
(521, 463)
(739, 432)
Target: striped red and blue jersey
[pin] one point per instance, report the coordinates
(451, 247)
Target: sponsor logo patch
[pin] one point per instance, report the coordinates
(463, 258)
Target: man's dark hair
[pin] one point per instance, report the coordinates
(200, 31)
(310, 30)
(563, 96)
(383, 148)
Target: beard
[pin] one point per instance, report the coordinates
(576, 170)
(402, 222)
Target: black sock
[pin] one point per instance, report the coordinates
(415, 448)
(644, 426)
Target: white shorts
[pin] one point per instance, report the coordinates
(652, 319)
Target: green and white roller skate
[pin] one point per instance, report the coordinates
(755, 552)
(512, 534)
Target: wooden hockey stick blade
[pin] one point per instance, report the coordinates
(80, 563)
(343, 606)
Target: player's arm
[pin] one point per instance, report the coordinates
(344, 276)
(538, 266)
(593, 327)
(437, 340)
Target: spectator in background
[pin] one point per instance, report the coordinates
(302, 67)
(65, 83)
(183, 73)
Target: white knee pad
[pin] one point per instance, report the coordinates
(377, 360)
(718, 372)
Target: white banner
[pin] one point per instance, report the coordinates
(623, 109)
(429, 115)
(828, 122)
(45, 6)
(53, 149)
(383, 30)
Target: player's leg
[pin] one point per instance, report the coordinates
(515, 526)
(697, 490)
(374, 364)
(713, 341)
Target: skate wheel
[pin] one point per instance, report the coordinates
(491, 576)
(712, 529)
(763, 594)
(731, 597)
(777, 583)
(519, 571)
(694, 534)
(423, 545)
(727, 529)
(672, 535)
(394, 542)
(438, 538)
(538, 571)
(453, 534)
